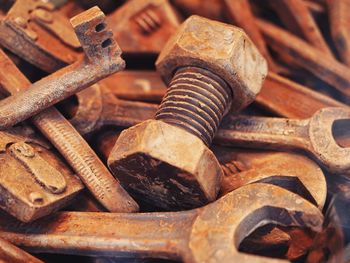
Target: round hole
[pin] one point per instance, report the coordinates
(106, 43)
(100, 27)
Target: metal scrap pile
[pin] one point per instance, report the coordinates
(174, 131)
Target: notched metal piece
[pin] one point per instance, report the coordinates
(97, 39)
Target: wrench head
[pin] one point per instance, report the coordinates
(294, 172)
(220, 48)
(323, 143)
(97, 40)
(165, 166)
(221, 226)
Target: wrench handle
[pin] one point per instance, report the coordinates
(264, 132)
(113, 235)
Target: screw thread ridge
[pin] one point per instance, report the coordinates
(196, 100)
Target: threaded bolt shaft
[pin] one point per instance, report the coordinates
(196, 100)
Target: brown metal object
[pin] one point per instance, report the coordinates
(71, 145)
(291, 171)
(339, 18)
(312, 135)
(304, 55)
(141, 85)
(208, 234)
(11, 253)
(40, 35)
(102, 59)
(240, 14)
(288, 170)
(34, 182)
(290, 99)
(143, 26)
(175, 167)
(298, 19)
(98, 107)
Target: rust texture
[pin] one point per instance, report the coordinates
(174, 235)
(72, 146)
(297, 51)
(102, 58)
(177, 169)
(296, 16)
(11, 253)
(339, 17)
(313, 135)
(34, 180)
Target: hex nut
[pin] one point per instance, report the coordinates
(221, 48)
(165, 166)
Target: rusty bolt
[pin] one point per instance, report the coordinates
(210, 67)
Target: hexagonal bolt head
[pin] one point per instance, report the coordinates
(165, 166)
(221, 48)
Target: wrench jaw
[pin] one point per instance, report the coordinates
(97, 41)
(226, 222)
(323, 145)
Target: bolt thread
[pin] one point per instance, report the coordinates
(196, 101)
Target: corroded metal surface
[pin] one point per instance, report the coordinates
(208, 234)
(313, 135)
(11, 253)
(102, 58)
(71, 145)
(34, 181)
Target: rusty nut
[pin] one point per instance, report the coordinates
(221, 48)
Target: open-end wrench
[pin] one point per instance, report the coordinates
(292, 171)
(208, 234)
(71, 145)
(102, 58)
(313, 135)
(11, 253)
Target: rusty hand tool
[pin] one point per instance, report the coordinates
(40, 35)
(208, 234)
(11, 253)
(102, 59)
(314, 135)
(339, 18)
(98, 107)
(71, 145)
(288, 170)
(298, 19)
(167, 161)
(239, 12)
(299, 52)
(143, 26)
(34, 182)
(291, 171)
